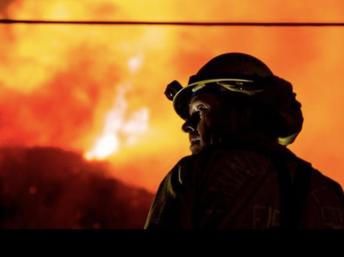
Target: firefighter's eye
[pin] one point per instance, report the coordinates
(201, 109)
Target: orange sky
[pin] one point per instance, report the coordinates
(59, 83)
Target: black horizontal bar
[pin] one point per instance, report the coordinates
(178, 23)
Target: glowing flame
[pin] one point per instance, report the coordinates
(106, 145)
(119, 131)
(134, 63)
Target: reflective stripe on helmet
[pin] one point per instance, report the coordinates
(232, 84)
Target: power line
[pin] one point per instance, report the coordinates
(176, 23)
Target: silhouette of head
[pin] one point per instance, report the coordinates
(236, 95)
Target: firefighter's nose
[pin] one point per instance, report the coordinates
(188, 126)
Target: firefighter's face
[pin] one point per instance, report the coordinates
(204, 110)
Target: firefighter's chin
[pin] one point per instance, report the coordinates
(195, 147)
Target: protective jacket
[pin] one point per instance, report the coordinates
(245, 185)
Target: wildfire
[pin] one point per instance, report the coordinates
(97, 89)
(119, 131)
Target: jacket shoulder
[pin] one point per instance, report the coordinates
(321, 181)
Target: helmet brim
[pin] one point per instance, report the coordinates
(183, 97)
(182, 100)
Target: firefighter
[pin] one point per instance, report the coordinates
(240, 117)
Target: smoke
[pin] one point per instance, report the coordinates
(58, 112)
(4, 5)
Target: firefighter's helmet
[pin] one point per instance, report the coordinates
(243, 74)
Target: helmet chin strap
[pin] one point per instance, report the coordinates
(287, 140)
